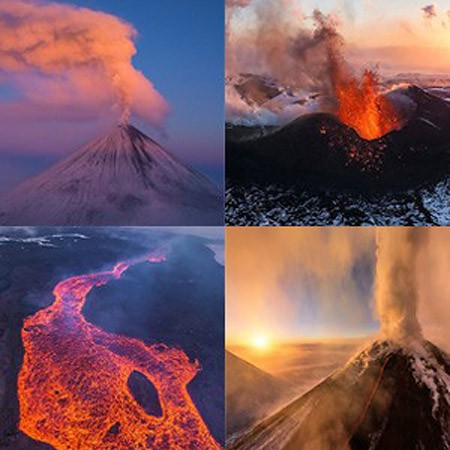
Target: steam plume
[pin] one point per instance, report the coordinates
(397, 293)
(299, 51)
(282, 44)
(65, 42)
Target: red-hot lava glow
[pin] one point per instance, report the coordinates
(72, 386)
(363, 108)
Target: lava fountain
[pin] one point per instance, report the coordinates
(72, 386)
(363, 107)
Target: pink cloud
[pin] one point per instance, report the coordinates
(72, 61)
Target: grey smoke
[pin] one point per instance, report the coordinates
(397, 293)
(299, 51)
(429, 11)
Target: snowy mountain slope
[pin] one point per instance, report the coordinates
(251, 393)
(256, 100)
(259, 100)
(386, 398)
(123, 178)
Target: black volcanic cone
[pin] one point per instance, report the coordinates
(318, 147)
(387, 398)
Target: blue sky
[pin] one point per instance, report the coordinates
(181, 50)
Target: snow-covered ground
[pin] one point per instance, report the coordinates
(278, 205)
(429, 368)
(259, 100)
(49, 240)
(381, 381)
(256, 100)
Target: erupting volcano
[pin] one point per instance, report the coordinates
(72, 387)
(330, 121)
(363, 108)
(388, 397)
(372, 140)
(394, 394)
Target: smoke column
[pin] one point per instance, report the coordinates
(64, 42)
(396, 281)
(281, 43)
(298, 50)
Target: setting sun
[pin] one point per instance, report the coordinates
(260, 342)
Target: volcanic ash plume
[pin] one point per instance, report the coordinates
(283, 45)
(280, 45)
(65, 42)
(396, 283)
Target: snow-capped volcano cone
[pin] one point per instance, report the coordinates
(122, 178)
(388, 397)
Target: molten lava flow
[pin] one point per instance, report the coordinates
(363, 108)
(72, 387)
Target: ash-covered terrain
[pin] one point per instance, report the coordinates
(259, 384)
(276, 204)
(387, 397)
(251, 393)
(177, 302)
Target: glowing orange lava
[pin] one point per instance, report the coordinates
(72, 386)
(363, 108)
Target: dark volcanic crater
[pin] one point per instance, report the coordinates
(318, 171)
(318, 147)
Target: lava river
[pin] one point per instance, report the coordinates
(72, 387)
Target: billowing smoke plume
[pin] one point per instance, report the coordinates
(272, 274)
(282, 44)
(305, 54)
(64, 42)
(397, 293)
(302, 52)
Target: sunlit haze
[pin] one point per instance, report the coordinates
(290, 285)
(397, 36)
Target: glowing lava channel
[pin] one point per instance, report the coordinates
(72, 386)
